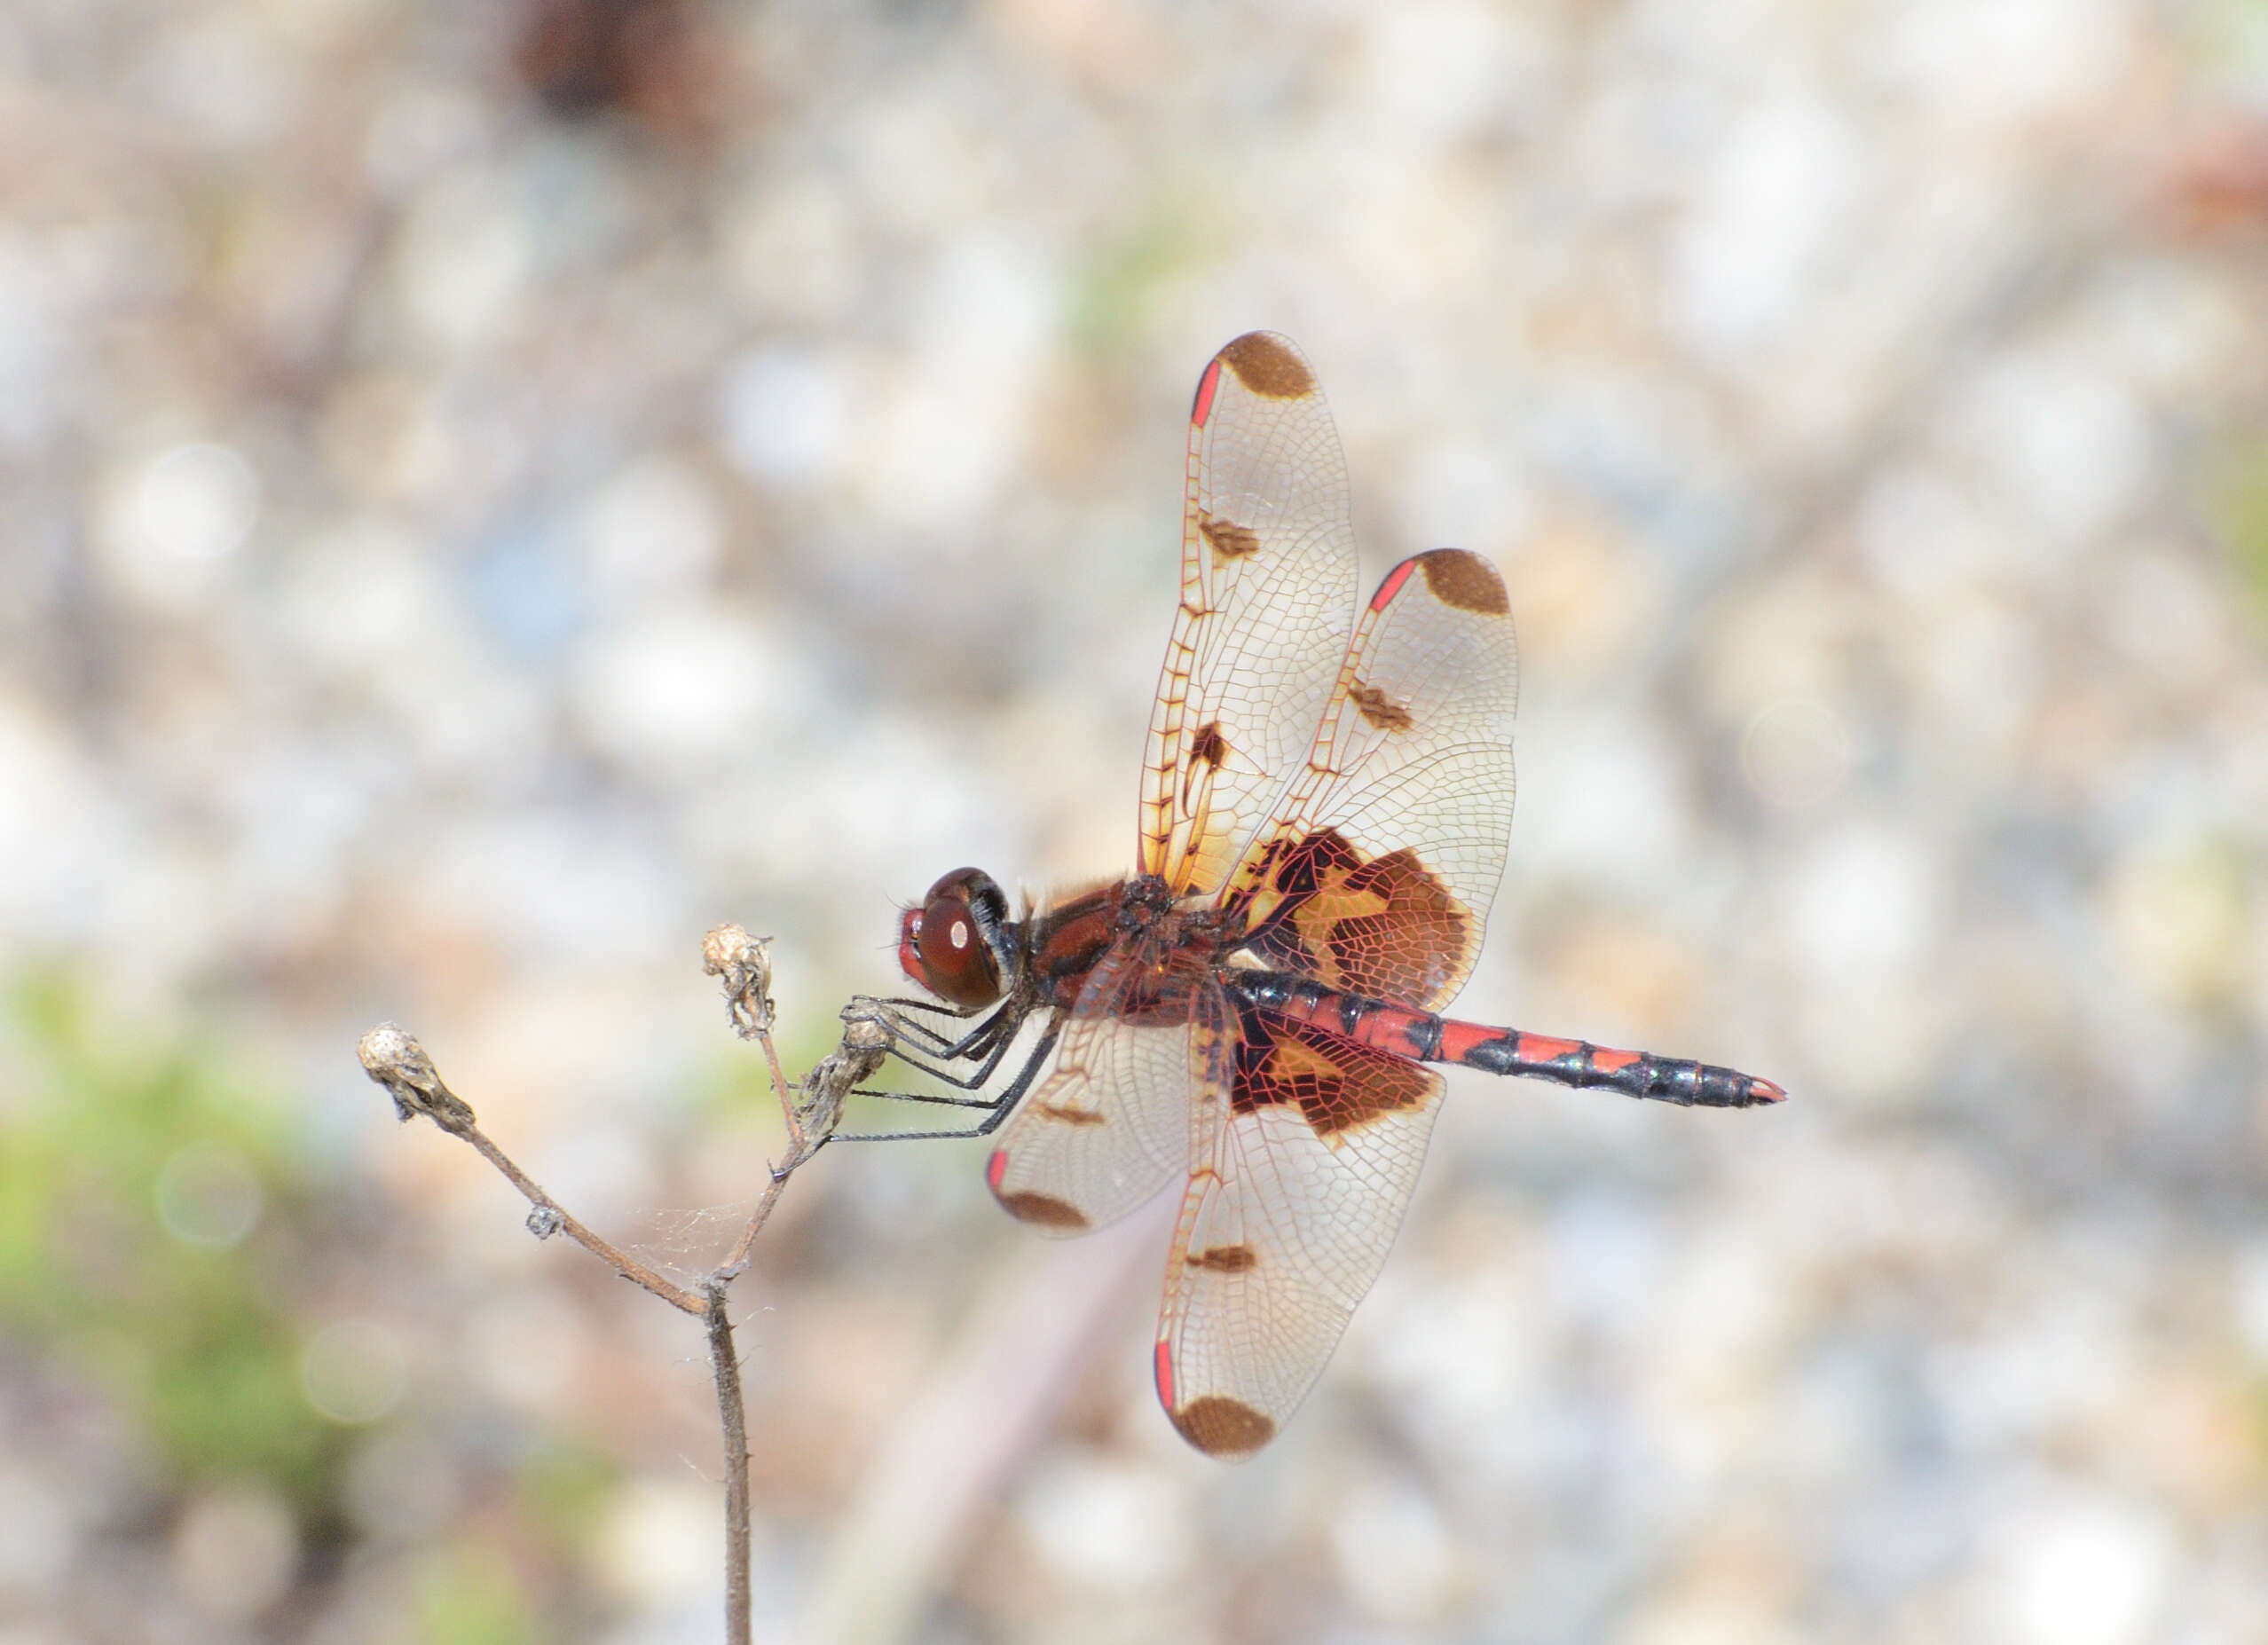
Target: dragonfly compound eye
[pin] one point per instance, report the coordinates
(953, 938)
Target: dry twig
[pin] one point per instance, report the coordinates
(393, 1056)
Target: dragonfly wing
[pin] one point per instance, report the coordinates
(1378, 866)
(1268, 584)
(1105, 1130)
(1306, 1148)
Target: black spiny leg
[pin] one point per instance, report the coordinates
(998, 1108)
(990, 1041)
(933, 1044)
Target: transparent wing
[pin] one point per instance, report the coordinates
(1105, 1129)
(1268, 585)
(1378, 866)
(1305, 1150)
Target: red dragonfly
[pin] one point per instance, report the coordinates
(1326, 802)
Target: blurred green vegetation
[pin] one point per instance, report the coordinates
(2237, 506)
(153, 1230)
(180, 1325)
(1113, 296)
(473, 1596)
(564, 1489)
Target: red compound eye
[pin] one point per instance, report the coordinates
(950, 944)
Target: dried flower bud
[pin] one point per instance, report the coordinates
(745, 964)
(391, 1056)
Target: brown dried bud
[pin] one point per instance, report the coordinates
(391, 1056)
(745, 964)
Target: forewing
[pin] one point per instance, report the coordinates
(1376, 871)
(1305, 1149)
(1268, 584)
(1105, 1130)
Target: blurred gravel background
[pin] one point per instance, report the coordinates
(492, 490)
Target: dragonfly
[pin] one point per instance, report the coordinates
(1255, 1011)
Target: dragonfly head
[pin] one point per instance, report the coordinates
(956, 943)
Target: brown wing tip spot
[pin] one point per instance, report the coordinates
(1462, 579)
(1378, 708)
(1224, 1428)
(1210, 746)
(1066, 1114)
(1230, 540)
(1268, 366)
(1044, 1211)
(1224, 1259)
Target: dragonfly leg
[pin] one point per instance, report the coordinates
(998, 1108)
(938, 1098)
(935, 1008)
(933, 1064)
(975, 1042)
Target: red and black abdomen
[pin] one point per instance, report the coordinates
(1423, 1037)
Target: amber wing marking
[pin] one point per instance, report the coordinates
(1223, 1427)
(1385, 926)
(1043, 1212)
(1227, 1259)
(1337, 1084)
(1268, 364)
(1464, 581)
(1230, 540)
(1378, 708)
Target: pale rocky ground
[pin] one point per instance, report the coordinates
(451, 553)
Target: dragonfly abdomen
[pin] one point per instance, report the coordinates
(1426, 1037)
(1587, 1066)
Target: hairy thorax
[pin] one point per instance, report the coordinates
(1159, 950)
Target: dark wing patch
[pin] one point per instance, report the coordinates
(1042, 1211)
(1223, 1427)
(1230, 540)
(1225, 1259)
(1338, 1085)
(1265, 365)
(1383, 926)
(1465, 581)
(1378, 708)
(1210, 747)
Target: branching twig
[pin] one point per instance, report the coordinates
(393, 1058)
